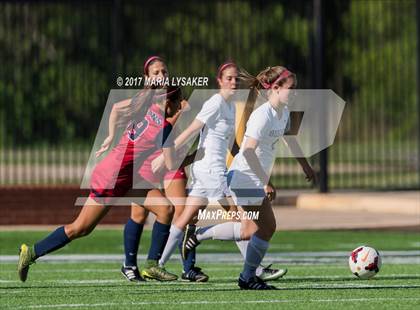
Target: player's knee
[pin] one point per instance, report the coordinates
(138, 215)
(246, 234)
(74, 231)
(177, 212)
(165, 214)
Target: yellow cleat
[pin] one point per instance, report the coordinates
(26, 258)
(158, 273)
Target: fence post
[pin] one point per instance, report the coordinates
(318, 78)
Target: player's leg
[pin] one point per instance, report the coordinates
(157, 203)
(265, 273)
(90, 215)
(240, 232)
(258, 246)
(176, 193)
(224, 231)
(192, 205)
(132, 234)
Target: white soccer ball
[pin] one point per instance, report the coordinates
(365, 262)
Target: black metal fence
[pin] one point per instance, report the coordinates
(59, 60)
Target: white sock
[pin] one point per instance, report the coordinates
(175, 234)
(254, 256)
(243, 245)
(224, 231)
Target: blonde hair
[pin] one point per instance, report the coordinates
(267, 78)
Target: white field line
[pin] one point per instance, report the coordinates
(212, 302)
(286, 257)
(154, 285)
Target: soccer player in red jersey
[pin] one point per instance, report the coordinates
(113, 176)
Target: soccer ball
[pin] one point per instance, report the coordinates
(365, 262)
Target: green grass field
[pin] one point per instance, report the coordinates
(317, 285)
(110, 241)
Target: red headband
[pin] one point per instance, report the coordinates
(148, 61)
(285, 74)
(223, 67)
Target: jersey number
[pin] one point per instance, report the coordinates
(137, 130)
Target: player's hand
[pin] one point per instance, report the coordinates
(105, 146)
(311, 175)
(185, 106)
(270, 192)
(158, 164)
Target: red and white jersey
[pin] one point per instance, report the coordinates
(146, 137)
(139, 141)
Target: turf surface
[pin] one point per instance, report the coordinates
(99, 285)
(110, 241)
(62, 285)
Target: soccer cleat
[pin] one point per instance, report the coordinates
(189, 242)
(26, 258)
(131, 273)
(270, 274)
(155, 272)
(195, 275)
(254, 283)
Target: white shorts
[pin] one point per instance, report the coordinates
(209, 184)
(245, 190)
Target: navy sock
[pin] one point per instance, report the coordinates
(188, 263)
(160, 236)
(132, 235)
(54, 241)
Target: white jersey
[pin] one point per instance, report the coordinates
(266, 126)
(216, 135)
(208, 175)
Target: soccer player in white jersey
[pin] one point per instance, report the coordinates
(216, 124)
(216, 120)
(251, 168)
(250, 171)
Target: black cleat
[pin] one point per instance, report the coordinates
(254, 283)
(189, 242)
(195, 275)
(131, 273)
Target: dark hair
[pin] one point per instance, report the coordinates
(173, 97)
(149, 61)
(142, 101)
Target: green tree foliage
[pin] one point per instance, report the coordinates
(379, 60)
(53, 77)
(59, 60)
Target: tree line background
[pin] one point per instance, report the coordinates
(60, 59)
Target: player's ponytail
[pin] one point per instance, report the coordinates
(264, 80)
